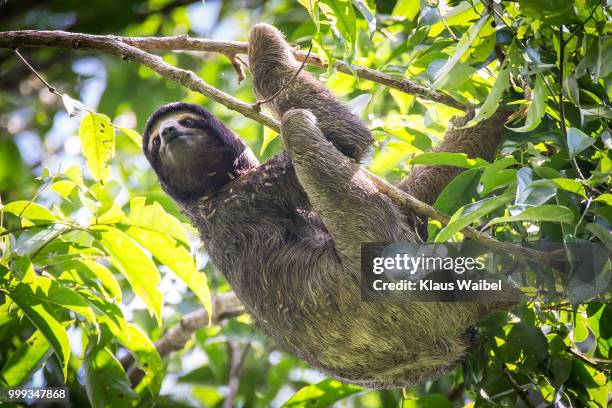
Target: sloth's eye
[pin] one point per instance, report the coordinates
(156, 143)
(188, 122)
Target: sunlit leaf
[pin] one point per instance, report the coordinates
(162, 235)
(449, 159)
(495, 175)
(321, 395)
(470, 213)
(26, 359)
(573, 186)
(133, 135)
(73, 107)
(359, 103)
(145, 353)
(368, 11)
(53, 292)
(134, 264)
(406, 8)
(98, 142)
(29, 210)
(40, 314)
(106, 383)
(551, 213)
(341, 15)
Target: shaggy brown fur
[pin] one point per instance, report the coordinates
(286, 234)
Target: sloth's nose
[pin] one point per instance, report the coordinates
(169, 132)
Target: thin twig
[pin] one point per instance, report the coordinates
(236, 362)
(51, 88)
(258, 104)
(581, 25)
(238, 65)
(596, 365)
(523, 395)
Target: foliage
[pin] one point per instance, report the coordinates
(88, 261)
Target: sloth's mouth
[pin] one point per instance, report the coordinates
(175, 137)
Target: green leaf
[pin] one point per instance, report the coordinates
(321, 395)
(367, 11)
(529, 195)
(98, 141)
(406, 8)
(552, 213)
(536, 108)
(174, 255)
(340, 13)
(64, 188)
(75, 174)
(268, 137)
(145, 353)
(428, 401)
(153, 217)
(449, 159)
(165, 238)
(605, 198)
(494, 175)
(106, 383)
(470, 213)
(133, 135)
(572, 89)
(101, 272)
(491, 103)
(51, 291)
(553, 12)
(604, 234)
(35, 213)
(577, 141)
(458, 192)
(464, 44)
(528, 344)
(573, 186)
(42, 316)
(109, 313)
(134, 264)
(26, 360)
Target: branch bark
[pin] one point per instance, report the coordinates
(225, 306)
(114, 46)
(63, 39)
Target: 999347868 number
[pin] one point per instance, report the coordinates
(32, 394)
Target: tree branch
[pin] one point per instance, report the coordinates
(112, 45)
(63, 39)
(237, 358)
(225, 306)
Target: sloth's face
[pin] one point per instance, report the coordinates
(187, 153)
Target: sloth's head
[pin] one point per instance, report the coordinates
(193, 153)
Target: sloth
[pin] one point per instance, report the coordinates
(286, 233)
